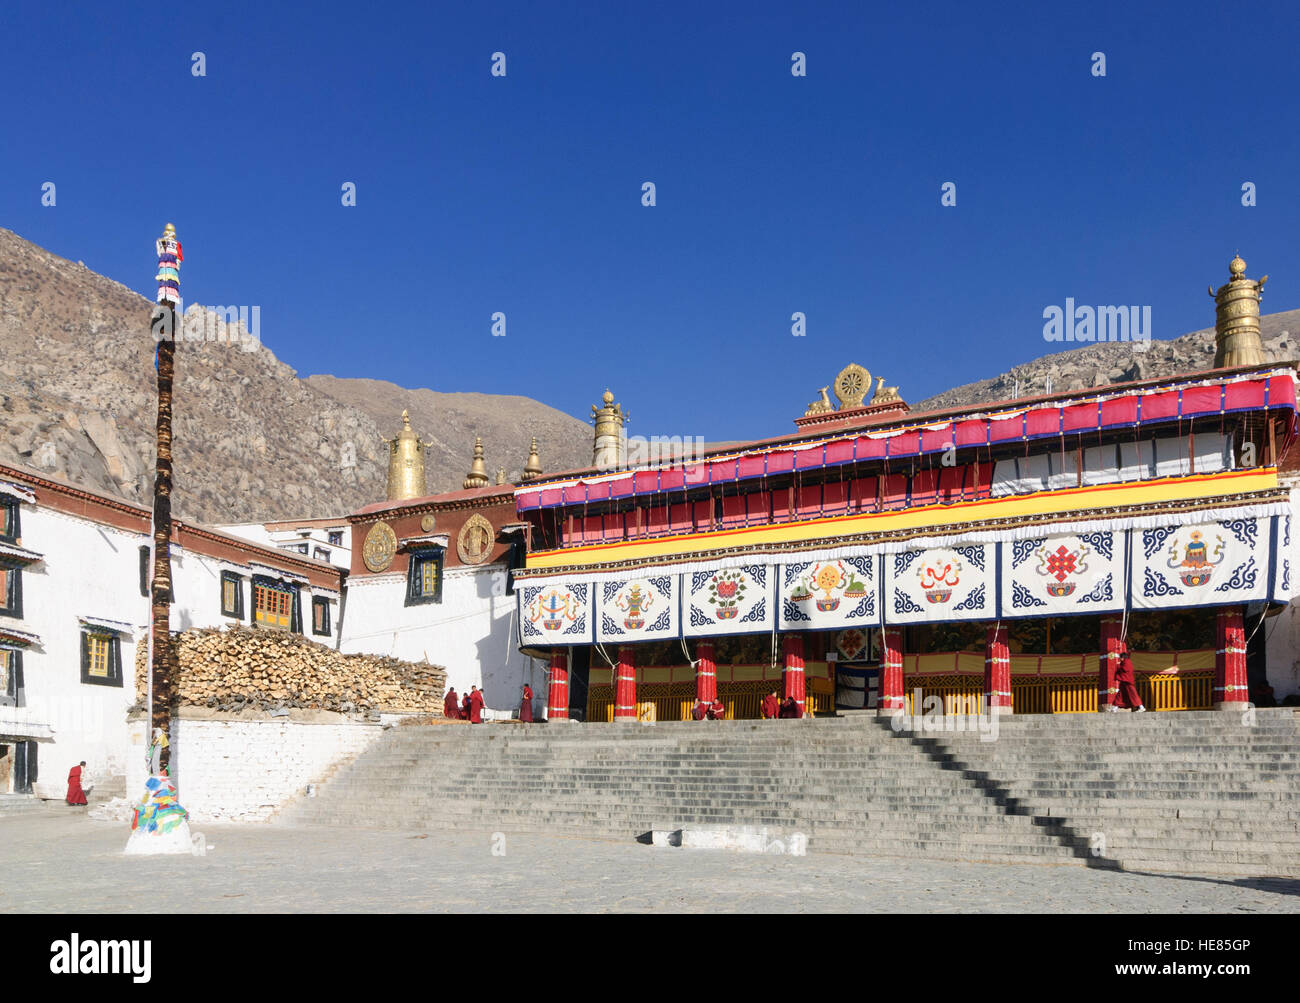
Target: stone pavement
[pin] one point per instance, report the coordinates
(57, 860)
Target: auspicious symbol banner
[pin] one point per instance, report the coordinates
(1201, 564)
(831, 594)
(555, 614)
(943, 583)
(637, 609)
(1066, 574)
(729, 601)
(1283, 573)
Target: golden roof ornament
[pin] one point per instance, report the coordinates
(884, 394)
(406, 463)
(607, 446)
(1236, 321)
(478, 475)
(533, 468)
(822, 406)
(852, 385)
(501, 475)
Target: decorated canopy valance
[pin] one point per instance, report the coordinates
(1206, 558)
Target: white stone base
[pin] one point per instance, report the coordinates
(144, 843)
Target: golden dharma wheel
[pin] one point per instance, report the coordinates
(380, 547)
(852, 385)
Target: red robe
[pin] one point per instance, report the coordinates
(75, 794)
(451, 707)
(1128, 692)
(701, 709)
(717, 712)
(789, 708)
(475, 707)
(464, 708)
(771, 706)
(526, 708)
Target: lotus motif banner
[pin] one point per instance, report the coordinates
(637, 609)
(943, 583)
(729, 601)
(1201, 564)
(1063, 575)
(823, 595)
(555, 614)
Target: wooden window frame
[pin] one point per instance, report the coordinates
(237, 610)
(294, 593)
(11, 530)
(11, 693)
(415, 596)
(113, 655)
(11, 596)
(323, 604)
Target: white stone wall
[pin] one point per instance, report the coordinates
(88, 570)
(340, 554)
(472, 633)
(244, 770)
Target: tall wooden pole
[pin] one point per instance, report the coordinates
(162, 657)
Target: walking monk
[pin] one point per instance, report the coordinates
(475, 705)
(1128, 692)
(526, 708)
(771, 706)
(75, 794)
(451, 706)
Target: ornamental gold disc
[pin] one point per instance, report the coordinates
(852, 385)
(379, 548)
(475, 540)
(427, 523)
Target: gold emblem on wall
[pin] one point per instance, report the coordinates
(474, 543)
(427, 524)
(852, 385)
(380, 546)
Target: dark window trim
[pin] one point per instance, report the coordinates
(11, 603)
(114, 657)
(335, 538)
(515, 559)
(417, 560)
(144, 570)
(295, 604)
(12, 695)
(321, 603)
(238, 611)
(15, 519)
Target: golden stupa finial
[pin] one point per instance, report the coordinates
(533, 468)
(607, 450)
(478, 475)
(1236, 322)
(406, 463)
(169, 230)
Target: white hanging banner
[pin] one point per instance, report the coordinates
(1062, 575)
(555, 614)
(941, 583)
(1201, 564)
(729, 601)
(644, 608)
(1283, 579)
(830, 594)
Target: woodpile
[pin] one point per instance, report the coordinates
(242, 667)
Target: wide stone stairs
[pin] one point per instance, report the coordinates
(1178, 792)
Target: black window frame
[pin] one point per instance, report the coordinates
(415, 573)
(13, 509)
(11, 603)
(335, 537)
(145, 576)
(237, 612)
(11, 694)
(320, 554)
(515, 559)
(114, 677)
(321, 603)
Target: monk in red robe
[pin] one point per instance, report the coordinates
(701, 710)
(451, 706)
(464, 708)
(75, 794)
(771, 706)
(526, 708)
(1128, 692)
(789, 708)
(717, 712)
(475, 705)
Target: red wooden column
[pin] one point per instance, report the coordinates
(557, 696)
(997, 670)
(1112, 650)
(1230, 691)
(889, 695)
(625, 685)
(793, 675)
(706, 673)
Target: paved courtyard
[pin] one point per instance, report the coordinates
(58, 860)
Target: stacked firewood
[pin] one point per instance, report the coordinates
(243, 667)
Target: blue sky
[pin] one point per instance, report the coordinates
(775, 194)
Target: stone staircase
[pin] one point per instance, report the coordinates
(1177, 792)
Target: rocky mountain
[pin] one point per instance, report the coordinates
(1114, 362)
(253, 441)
